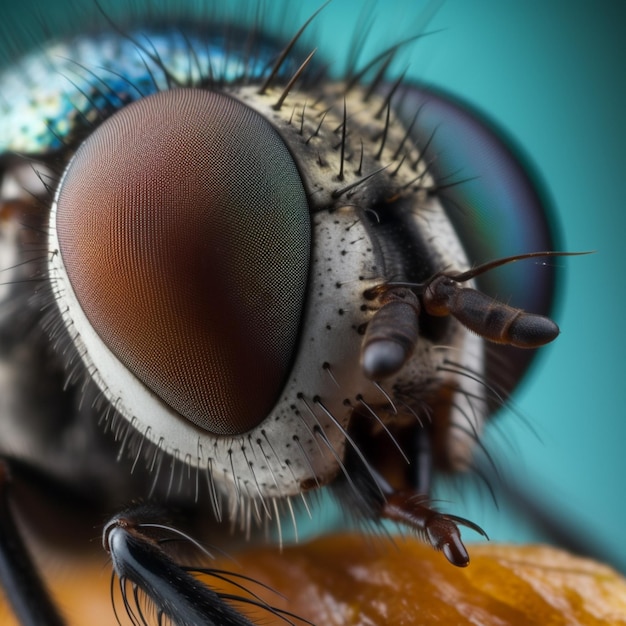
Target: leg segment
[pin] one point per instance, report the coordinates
(387, 477)
(136, 541)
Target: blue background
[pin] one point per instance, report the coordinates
(552, 74)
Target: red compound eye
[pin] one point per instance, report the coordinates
(184, 229)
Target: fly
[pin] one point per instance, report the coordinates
(242, 282)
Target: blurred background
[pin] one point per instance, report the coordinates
(551, 74)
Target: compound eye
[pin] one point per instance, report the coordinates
(184, 230)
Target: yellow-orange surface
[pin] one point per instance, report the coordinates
(354, 580)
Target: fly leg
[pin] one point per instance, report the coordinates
(387, 476)
(137, 542)
(24, 588)
(440, 530)
(411, 507)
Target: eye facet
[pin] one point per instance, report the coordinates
(184, 228)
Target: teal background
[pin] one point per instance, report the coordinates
(552, 74)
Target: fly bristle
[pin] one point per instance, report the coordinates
(302, 118)
(279, 103)
(343, 141)
(153, 55)
(316, 132)
(383, 139)
(387, 101)
(423, 151)
(360, 34)
(359, 77)
(414, 182)
(337, 193)
(407, 134)
(359, 170)
(397, 169)
(286, 51)
(379, 78)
